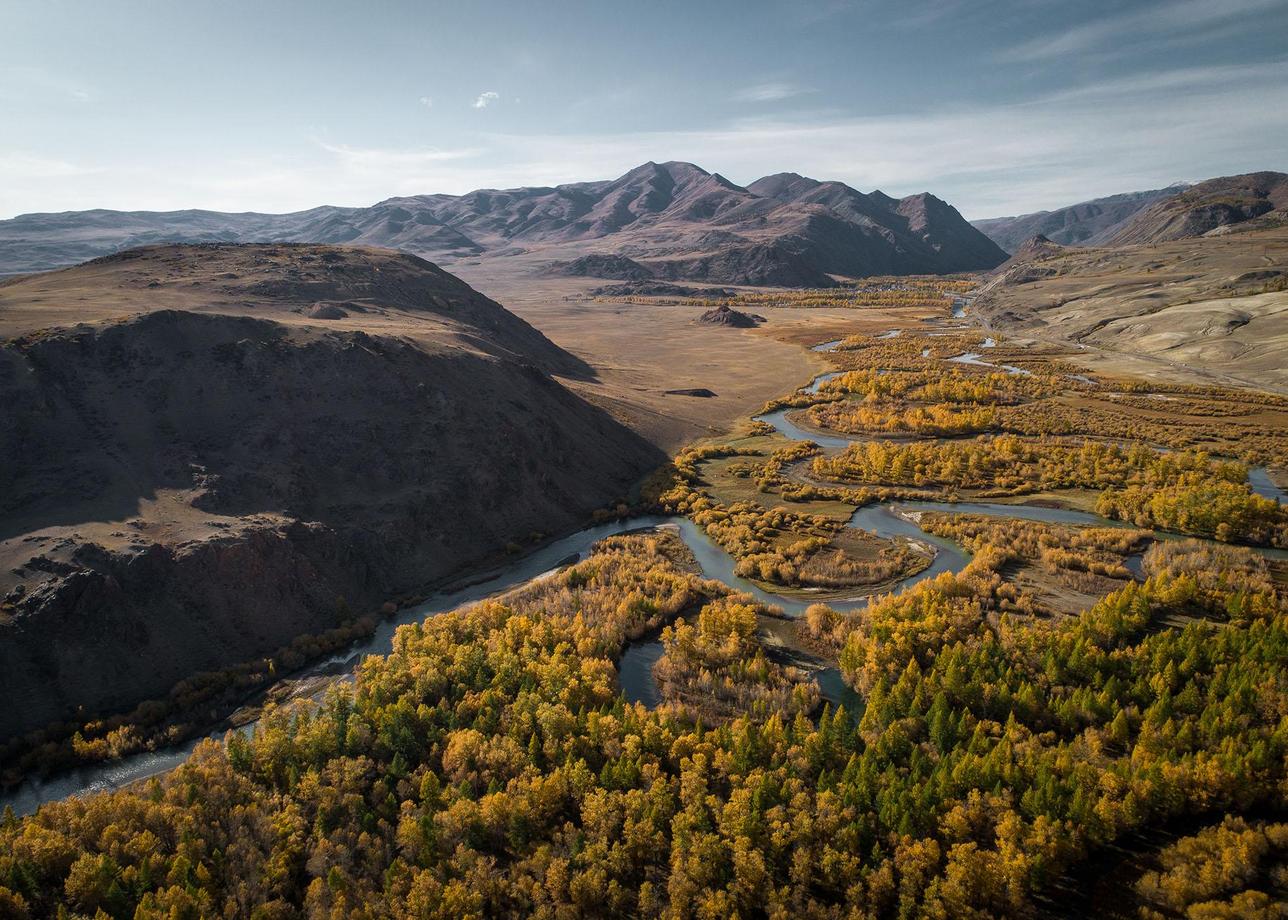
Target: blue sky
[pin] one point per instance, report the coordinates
(998, 107)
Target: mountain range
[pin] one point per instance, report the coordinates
(674, 222)
(674, 219)
(1161, 215)
(1082, 224)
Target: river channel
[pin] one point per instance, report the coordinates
(888, 520)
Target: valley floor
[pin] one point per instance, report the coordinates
(639, 351)
(919, 637)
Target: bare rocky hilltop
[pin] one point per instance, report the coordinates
(664, 221)
(1087, 223)
(207, 451)
(1182, 211)
(1246, 202)
(1215, 305)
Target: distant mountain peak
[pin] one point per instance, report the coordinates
(674, 218)
(677, 170)
(780, 184)
(786, 177)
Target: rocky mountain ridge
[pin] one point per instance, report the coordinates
(678, 220)
(1086, 223)
(1181, 211)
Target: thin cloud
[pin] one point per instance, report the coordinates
(31, 183)
(384, 161)
(427, 101)
(811, 12)
(1174, 19)
(1148, 130)
(1161, 83)
(486, 99)
(26, 82)
(15, 166)
(1005, 159)
(770, 92)
(923, 16)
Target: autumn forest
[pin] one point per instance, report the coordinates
(1059, 632)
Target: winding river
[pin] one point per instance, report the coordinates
(635, 675)
(972, 357)
(635, 666)
(1263, 485)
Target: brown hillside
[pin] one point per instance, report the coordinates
(195, 466)
(1202, 208)
(1214, 305)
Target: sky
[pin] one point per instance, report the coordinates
(998, 107)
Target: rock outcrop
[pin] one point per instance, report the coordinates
(727, 316)
(615, 267)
